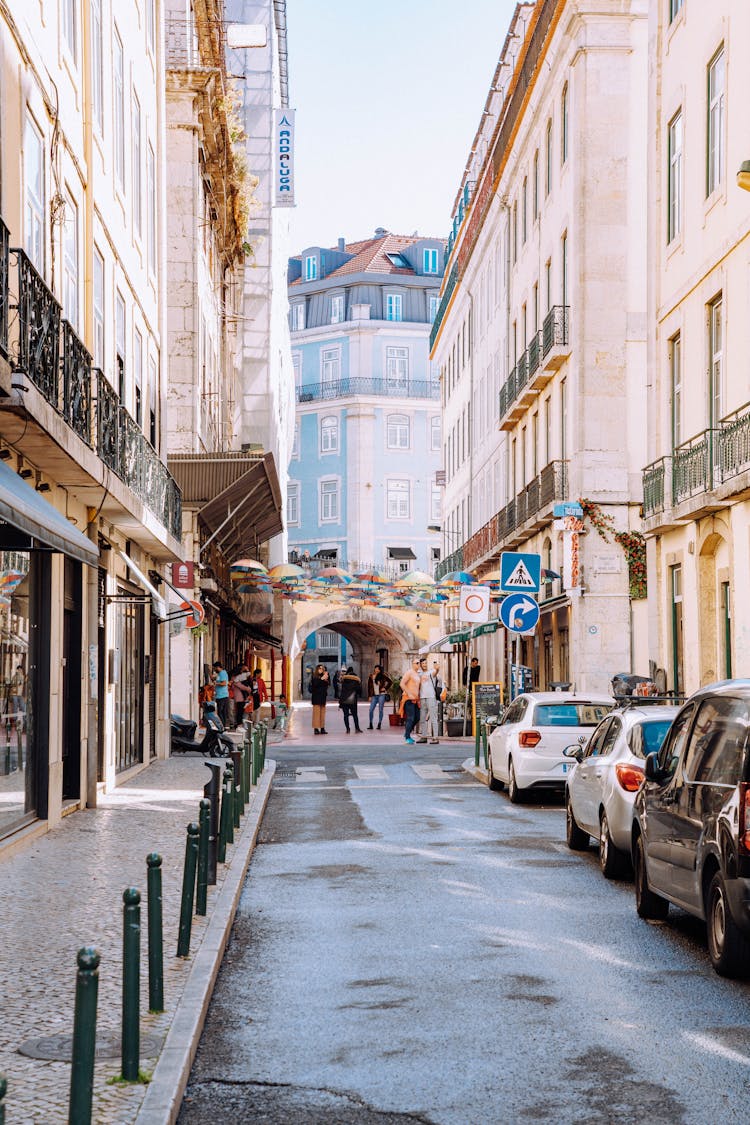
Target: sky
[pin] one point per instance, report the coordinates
(388, 98)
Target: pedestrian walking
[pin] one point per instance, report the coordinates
(259, 693)
(351, 689)
(239, 692)
(410, 684)
(337, 682)
(474, 672)
(319, 693)
(378, 685)
(430, 690)
(221, 692)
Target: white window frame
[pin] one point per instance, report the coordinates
(311, 268)
(71, 262)
(329, 433)
(137, 169)
(564, 106)
(138, 396)
(675, 368)
(398, 431)
(151, 26)
(431, 260)
(435, 433)
(330, 365)
(97, 63)
(398, 498)
(436, 503)
(35, 195)
(716, 330)
(337, 308)
(151, 216)
(397, 368)
(298, 316)
(675, 135)
(121, 319)
(434, 305)
(292, 503)
(295, 442)
(394, 307)
(100, 309)
(153, 403)
(329, 497)
(69, 27)
(118, 108)
(548, 158)
(715, 131)
(297, 368)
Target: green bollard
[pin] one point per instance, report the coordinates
(3, 1092)
(236, 787)
(243, 776)
(84, 1041)
(224, 817)
(254, 757)
(477, 736)
(188, 890)
(484, 746)
(155, 935)
(201, 897)
(131, 984)
(264, 742)
(229, 782)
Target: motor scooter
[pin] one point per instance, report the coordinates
(215, 743)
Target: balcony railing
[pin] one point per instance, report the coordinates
(47, 350)
(654, 481)
(554, 333)
(189, 45)
(734, 443)
(692, 466)
(388, 388)
(450, 284)
(454, 561)
(555, 328)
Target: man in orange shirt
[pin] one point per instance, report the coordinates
(410, 682)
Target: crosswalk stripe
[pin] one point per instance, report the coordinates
(371, 773)
(429, 772)
(311, 773)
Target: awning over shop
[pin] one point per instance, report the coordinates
(238, 496)
(24, 510)
(462, 636)
(157, 601)
(401, 553)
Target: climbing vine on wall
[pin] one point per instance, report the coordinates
(632, 542)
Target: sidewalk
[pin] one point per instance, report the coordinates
(65, 891)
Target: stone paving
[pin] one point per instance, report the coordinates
(65, 891)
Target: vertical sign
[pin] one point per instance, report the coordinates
(283, 131)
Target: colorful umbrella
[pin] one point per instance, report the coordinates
(415, 578)
(286, 572)
(457, 578)
(247, 566)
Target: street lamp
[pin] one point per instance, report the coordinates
(743, 176)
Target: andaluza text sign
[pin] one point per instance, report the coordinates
(284, 142)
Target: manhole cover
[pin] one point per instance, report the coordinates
(59, 1048)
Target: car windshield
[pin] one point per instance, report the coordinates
(647, 737)
(570, 714)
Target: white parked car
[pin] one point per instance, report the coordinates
(600, 791)
(526, 749)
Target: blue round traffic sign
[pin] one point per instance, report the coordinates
(519, 613)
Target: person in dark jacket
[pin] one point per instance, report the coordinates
(351, 688)
(319, 694)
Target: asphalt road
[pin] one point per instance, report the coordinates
(410, 947)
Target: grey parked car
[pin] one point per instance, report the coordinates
(600, 792)
(691, 826)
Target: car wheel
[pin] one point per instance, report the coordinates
(728, 947)
(650, 906)
(577, 839)
(492, 781)
(514, 793)
(611, 860)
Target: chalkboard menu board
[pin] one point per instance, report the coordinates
(487, 703)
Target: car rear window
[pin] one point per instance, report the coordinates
(647, 737)
(570, 714)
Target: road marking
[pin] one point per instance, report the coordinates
(289, 788)
(428, 772)
(714, 1048)
(311, 773)
(371, 773)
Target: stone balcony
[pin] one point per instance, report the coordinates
(548, 350)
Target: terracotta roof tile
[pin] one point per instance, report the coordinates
(370, 256)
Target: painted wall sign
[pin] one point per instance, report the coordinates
(183, 575)
(284, 143)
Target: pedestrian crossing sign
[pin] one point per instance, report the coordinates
(520, 571)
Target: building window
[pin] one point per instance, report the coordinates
(535, 187)
(435, 427)
(515, 233)
(715, 145)
(151, 25)
(675, 7)
(118, 97)
(548, 285)
(435, 503)
(69, 20)
(564, 125)
(292, 503)
(716, 370)
(563, 421)
(97, 71)
(99, 310)
(524, 211)
(330, 365)
(337, 308)
(35, 194)
(398, 500)
(548, 158)
(138, 375)
(120, 345)
(564, 269)
(70, 262)
(297, 366)
(329, 500)
(675, 580)
(298, 317)
(397, 368)
(675, 365)
(434, 304)
(394, 306)
(674, 187)
(329, 434)
(311, 268)
(151, 204)
(137, 168)
(326, 639)
(153, 393)
(398, 428)
(295, 442)
(430, 261)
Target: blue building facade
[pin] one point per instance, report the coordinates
(363, 479)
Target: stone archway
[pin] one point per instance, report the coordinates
(369, 632)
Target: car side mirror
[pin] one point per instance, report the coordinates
(574, 751)
(653, 772)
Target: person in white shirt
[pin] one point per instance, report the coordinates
(430, 690)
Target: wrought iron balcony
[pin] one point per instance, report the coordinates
(692, 466)
(454, 561)
(734, 443)
(387, 388)
(35, 350)
(555, 329)
(449, 285)
(192, 44)
(76, 384)
(655, 486)
(534, 369)
(4, 287)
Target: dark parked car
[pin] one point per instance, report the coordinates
(691, 825)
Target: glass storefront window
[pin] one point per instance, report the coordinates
(18, 666)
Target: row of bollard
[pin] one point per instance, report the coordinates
(480, 740)
(206, 844)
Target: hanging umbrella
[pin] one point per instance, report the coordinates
(457, 578)
(371, 577)
(246, 566)
(549, 575)
(286, 572)
(415, 578)
(253, 587)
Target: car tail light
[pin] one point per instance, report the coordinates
(630, 777)
(745, 817)
(529, 738)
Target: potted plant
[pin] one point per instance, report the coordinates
(395, 719)
(454, 714)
